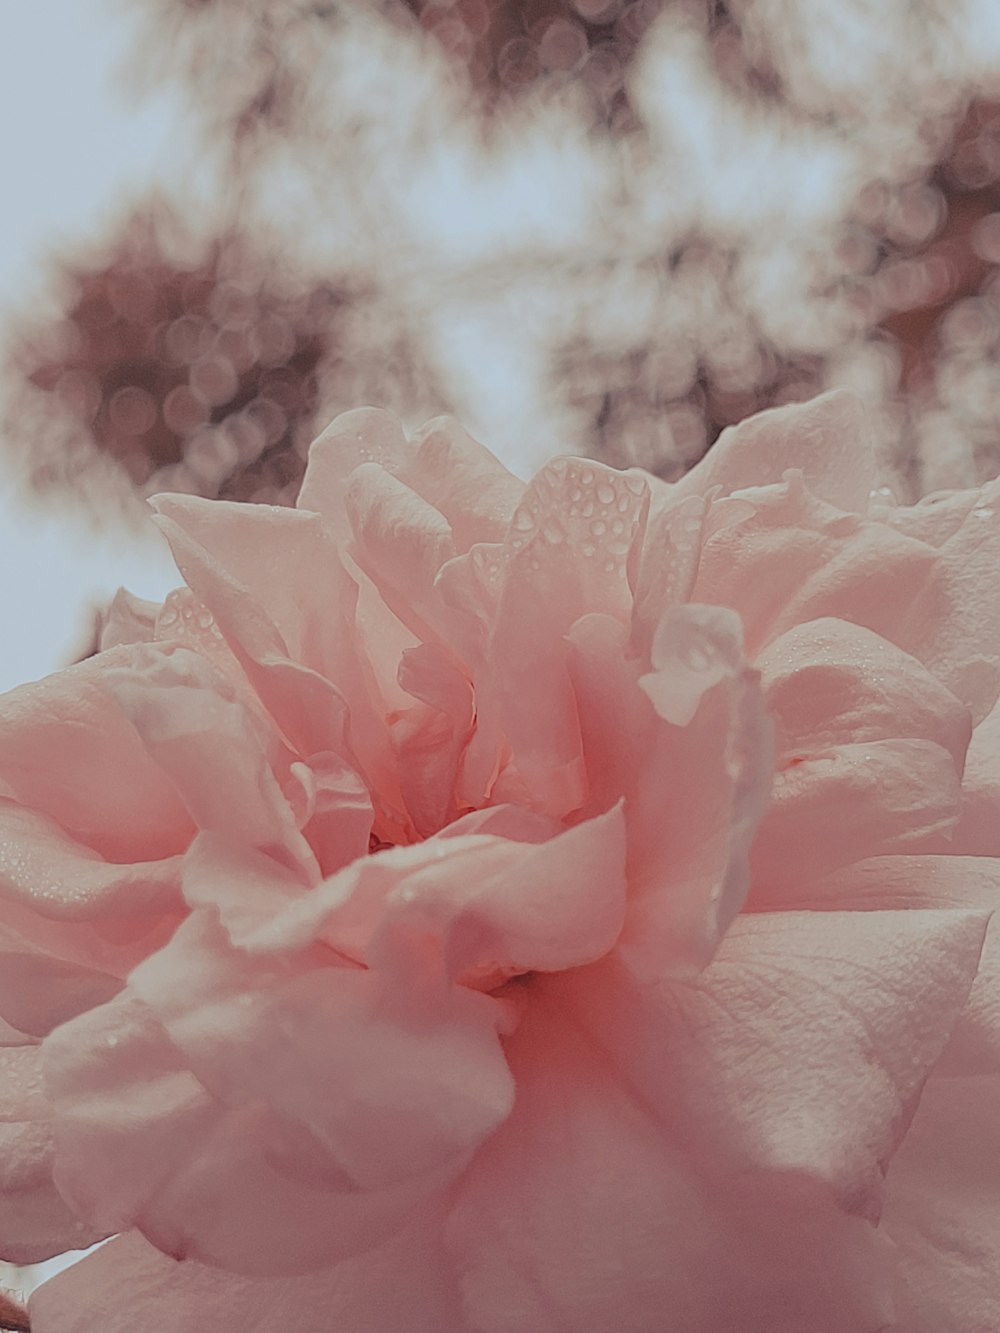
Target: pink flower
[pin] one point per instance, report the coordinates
(484, 907)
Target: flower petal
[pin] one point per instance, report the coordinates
(335, 629)
(848, 803)
(465, 481)
(920, 882)
(827, 438)
(129, 619)
(420, 1077)
(45, 872)
(668, 565)
(584, 1212)
(934, 518)
(58, 734)
(264, 550)
(127, 1285)
(540, 907)
(953, 623)
(442, 463)
(38, 992)
(400, 542)
(830, 682)
(217, 754)
(364, 435)
(429, 742)
(142, 1143)
(35, 1221)
(795, 558)
(571, 542)
(943, 1209)
(73, 925)
(978, 830)
(805, 1043)
(693, 793)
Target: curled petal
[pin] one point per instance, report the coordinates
(978, 830)
(58, 733)
(797, 559)
(694, 649)
(571, 541)
(400, 541)
(555, 904)
(830, 682)
(794, 558)
(414, 1090)
(585, 1212)
(142, 1143)
(213, 749)
(38, 992)
(668, 566)
(46, 872)
(443, 464)
(365, 435)
(827, 438)
(240, 560)
(943, 1209)
(129, 619)
(35, 1221)
(465, 481)
(127, 1284)
(694, 793)
(805, 1043)
(851, 802)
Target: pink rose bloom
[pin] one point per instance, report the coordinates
(470, 907)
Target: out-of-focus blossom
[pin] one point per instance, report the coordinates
(684, 211)
(194, 365)
(623, 226)
(488, 906)
(187, 365)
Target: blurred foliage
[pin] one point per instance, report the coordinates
(676, 212)
(190, 365)
(208, 365)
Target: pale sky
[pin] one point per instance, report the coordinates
(74, 151)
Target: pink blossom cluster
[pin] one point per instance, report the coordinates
(469, 906)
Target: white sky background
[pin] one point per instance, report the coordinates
(77, 151)
(73, 153)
